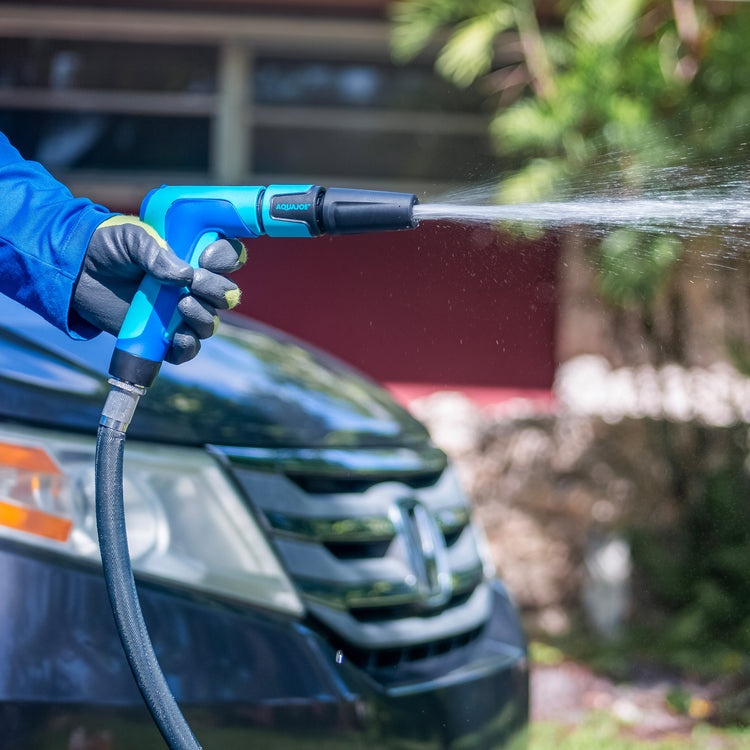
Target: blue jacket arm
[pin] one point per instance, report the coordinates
(44, 233)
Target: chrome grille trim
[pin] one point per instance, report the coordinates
(393, 566)
(453, 520)
(380, 464)
(380, 593)
(373, 529)
(376, 528)
(400, 632)
(388, 658)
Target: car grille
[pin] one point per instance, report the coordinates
(379, 543)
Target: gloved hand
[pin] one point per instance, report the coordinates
(123, 249)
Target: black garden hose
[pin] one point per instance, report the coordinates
(118, 574)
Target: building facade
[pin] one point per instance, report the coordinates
(116, 98)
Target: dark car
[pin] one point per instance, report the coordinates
(307, 564)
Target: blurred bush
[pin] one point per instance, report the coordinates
(618, 461)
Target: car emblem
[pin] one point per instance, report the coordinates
(426, 551)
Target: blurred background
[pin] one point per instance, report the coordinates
(116, 98)
(592, 385)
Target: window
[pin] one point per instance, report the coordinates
(229, 111)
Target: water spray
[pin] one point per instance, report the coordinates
(638, 213)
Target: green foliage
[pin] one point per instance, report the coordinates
(596, 25)
(697, 572)
(545, 654)
(470, 50)
(678, 699)
(616, 88)
(738, 354)
(606, 101)
(625, 82)
(601, 730)
(417, 21)
(534, 182)
(634, 265)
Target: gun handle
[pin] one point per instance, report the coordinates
(146, 334)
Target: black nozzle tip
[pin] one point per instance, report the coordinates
(345, 211)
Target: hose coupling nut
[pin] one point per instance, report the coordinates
(120, 405)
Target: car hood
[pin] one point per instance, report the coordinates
(250, 386)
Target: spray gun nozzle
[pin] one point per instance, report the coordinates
(349, 211)
(316, 210)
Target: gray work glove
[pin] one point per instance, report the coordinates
(123, 249)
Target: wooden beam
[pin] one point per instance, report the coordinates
(371, 120)
(231, 130)
(163, 103)
(264, 32)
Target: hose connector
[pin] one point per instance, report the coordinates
(120, 405)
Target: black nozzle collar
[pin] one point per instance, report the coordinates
(350, 211)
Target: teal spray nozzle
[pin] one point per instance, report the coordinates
(190, 218)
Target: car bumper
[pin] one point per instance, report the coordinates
(242, 676)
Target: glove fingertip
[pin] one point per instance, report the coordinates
(185, 346)
(223, 256)
(242, 255)
(233, 297)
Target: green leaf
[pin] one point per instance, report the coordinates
(634, 265)
(528, 124)
(414, 24)
(470, 51)
(602, 23)
(536, 181)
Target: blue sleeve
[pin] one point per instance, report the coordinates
(44, 233)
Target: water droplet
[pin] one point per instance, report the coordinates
(339, 657)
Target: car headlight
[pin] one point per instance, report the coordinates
(186, 524)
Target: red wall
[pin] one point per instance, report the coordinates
(442, 305)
